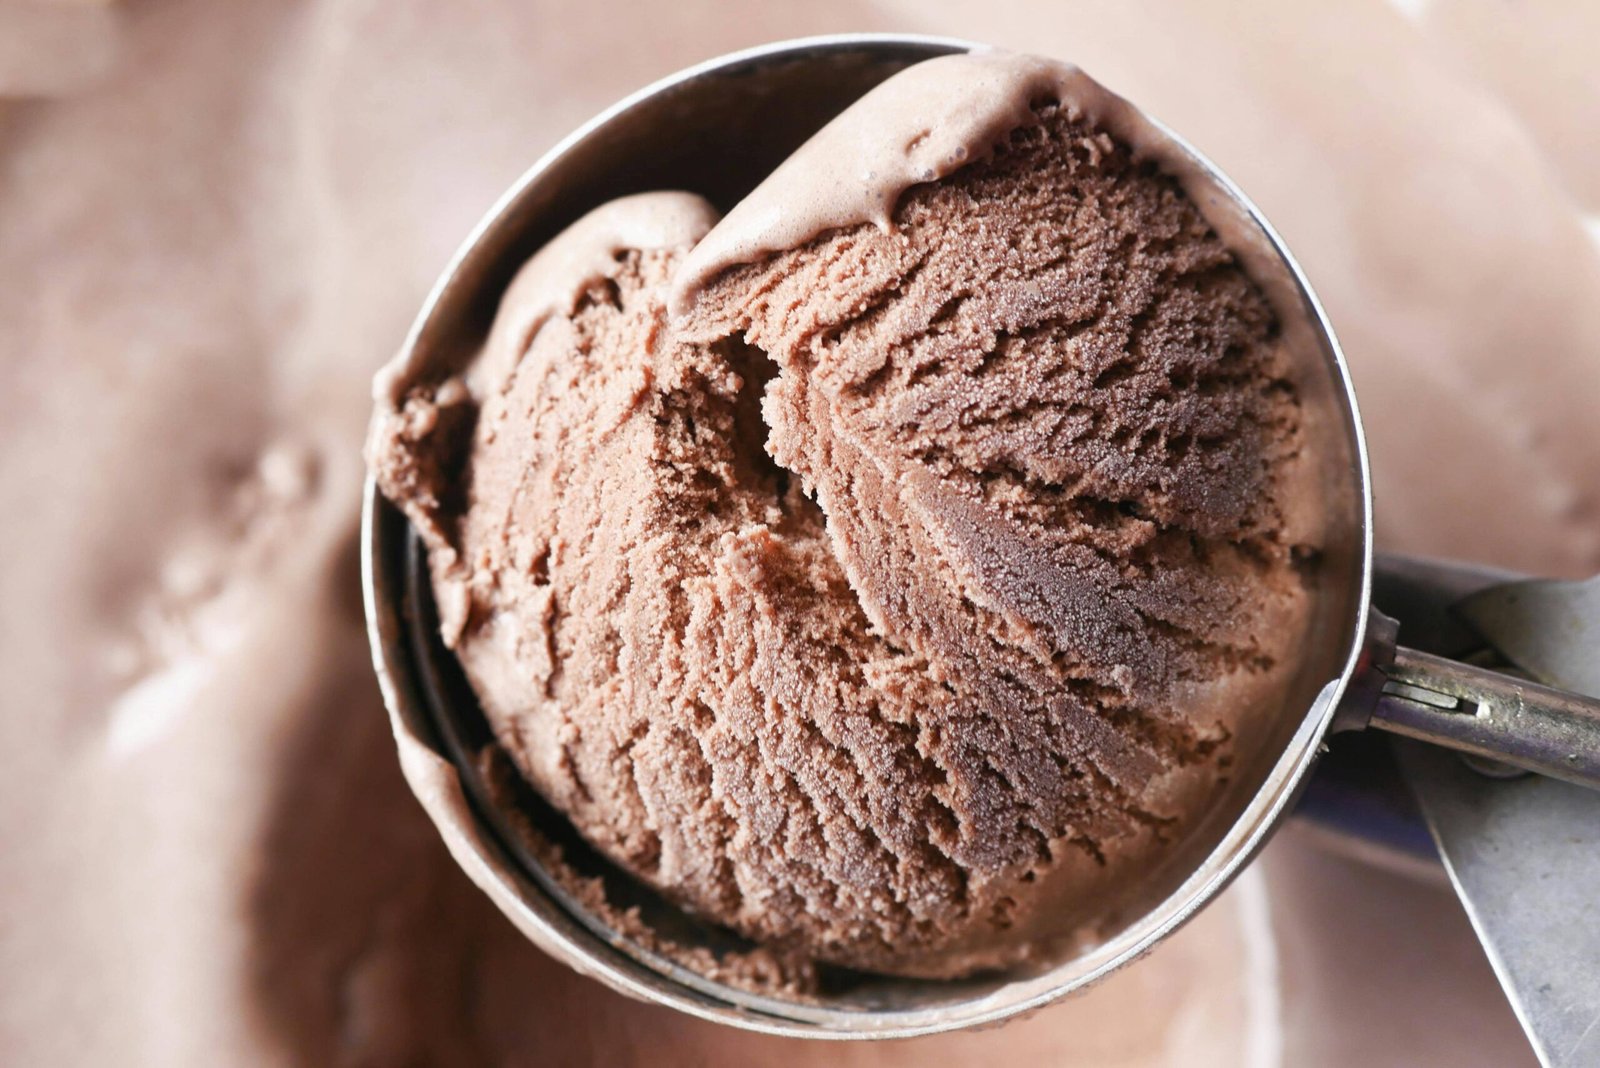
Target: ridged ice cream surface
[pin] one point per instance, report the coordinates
(893, 571)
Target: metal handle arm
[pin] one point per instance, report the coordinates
(1492, 715)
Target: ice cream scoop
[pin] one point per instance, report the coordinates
(668, 137)
(902, 600)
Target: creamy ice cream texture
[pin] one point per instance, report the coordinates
(188, 899)
(894, 570)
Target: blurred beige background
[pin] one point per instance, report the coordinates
(216, 220)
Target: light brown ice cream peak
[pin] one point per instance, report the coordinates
(918, 126)
(586, 254)
(581, 256)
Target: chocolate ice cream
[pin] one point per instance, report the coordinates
(893, 571)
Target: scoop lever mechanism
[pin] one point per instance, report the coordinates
(1483, 713)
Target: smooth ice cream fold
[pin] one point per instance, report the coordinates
(581, 257)
(919, 126)
(551, 282)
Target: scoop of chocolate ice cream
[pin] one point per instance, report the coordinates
(906, 597)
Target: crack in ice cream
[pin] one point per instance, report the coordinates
(892, 571)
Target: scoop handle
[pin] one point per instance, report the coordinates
(1489, 714)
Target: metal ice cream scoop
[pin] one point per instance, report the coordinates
(718, 128)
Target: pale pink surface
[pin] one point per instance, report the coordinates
(216, 221)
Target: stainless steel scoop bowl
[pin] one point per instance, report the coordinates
(718, 129)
